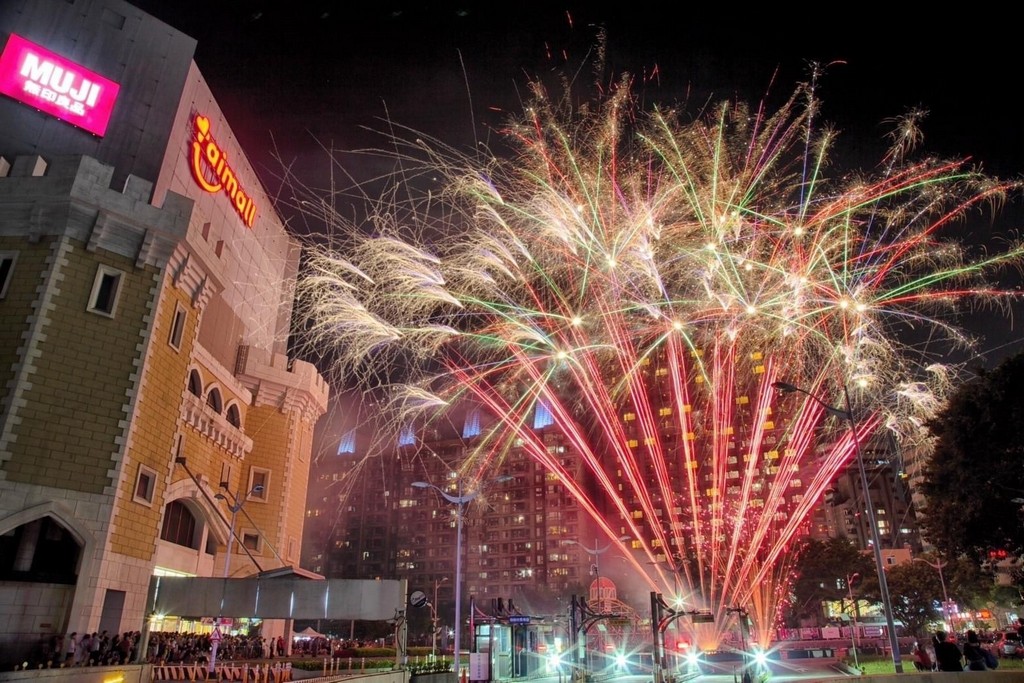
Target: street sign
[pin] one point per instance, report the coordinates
(518, 619)
(215, 636)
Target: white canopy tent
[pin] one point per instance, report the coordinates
(308, 632)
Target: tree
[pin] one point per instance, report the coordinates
(821, 573)
(977, 469)
(914, 591)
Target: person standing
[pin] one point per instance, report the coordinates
(947, 654)
(84, 647)
(95, 643)
(71, 649)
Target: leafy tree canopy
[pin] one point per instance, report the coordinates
(977, 469)
(915, 594)
(821, 574)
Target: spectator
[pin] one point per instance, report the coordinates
(95, 645)
(922, 662)
(84, 647)
(972, 652)
(947, 654)
(71, 648)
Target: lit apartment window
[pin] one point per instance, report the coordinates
(6, 270)
(106, 289)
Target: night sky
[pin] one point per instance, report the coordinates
(297, 75)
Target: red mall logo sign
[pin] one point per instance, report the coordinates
(212, 172)
(39, 78)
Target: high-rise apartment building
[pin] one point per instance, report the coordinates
(527, 538)
(148, 405)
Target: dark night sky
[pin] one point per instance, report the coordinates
(290, 74)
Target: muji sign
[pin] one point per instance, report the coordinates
(42, 79)
(213, 173)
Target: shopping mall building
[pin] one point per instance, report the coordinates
(148, 405)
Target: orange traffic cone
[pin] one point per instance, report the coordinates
(463, 676)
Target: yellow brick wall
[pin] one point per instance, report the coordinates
(157, 414)
(274, 449)
(81, 379)
(16, 306)
(296, 514)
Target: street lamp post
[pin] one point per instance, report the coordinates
(938, 565)
(883, 585)
(234, 505)
(595, 552)
(850, 578)
(460, 501)
(433, 620)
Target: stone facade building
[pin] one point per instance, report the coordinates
(148, 405)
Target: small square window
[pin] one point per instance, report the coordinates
(227, 474)
(251, 541)
(7, 259)
(106, 289)
(177, 327)
(259, 483)
(145, 485)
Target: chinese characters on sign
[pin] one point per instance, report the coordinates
(57, 86)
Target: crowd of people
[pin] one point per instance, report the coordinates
(945, 655)
(90, 649)
(174, 647)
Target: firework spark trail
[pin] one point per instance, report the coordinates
(647, 281)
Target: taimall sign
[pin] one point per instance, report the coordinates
(213, 173)
(57, 86)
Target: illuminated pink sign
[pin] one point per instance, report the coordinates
(55, 85)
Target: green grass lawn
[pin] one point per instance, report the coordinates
(879, 664)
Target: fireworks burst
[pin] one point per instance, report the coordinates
(645, 280)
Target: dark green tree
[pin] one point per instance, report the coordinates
(915, 594)
(976, 472)
(821, 573)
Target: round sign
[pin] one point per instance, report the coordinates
(417, 599)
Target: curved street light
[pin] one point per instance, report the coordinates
(433, 620)
(234, 505)
(595, 552)
(850, 578)
(938, 565)
(460, 501)
(883, 586)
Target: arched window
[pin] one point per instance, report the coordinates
(234, 419)
(40, 551)
(213, 400)
(179, 525)
(195, 383)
